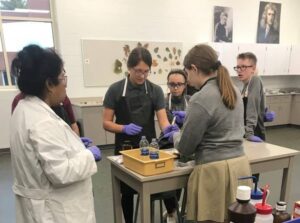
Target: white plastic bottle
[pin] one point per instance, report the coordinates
(263, 213)
(144, 146)
(154, 149)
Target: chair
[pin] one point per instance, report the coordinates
(158, 197)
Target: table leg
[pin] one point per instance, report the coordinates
(116, 198)
(145, 204)
(286, 181)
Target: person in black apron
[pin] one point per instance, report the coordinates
(133, 102)
(253, 90)
(253, 97)
(177, 99)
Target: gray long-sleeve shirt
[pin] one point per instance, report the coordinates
(255, 109)
(211, 131)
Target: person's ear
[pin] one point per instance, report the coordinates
(194, 68)
(49, 86)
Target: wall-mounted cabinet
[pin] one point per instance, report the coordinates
(272, 59)
(227, 53)
(277, 59)
(259, 50)
(294, 66)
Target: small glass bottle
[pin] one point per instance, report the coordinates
(154, 149)
(280, 214)
(144, 146)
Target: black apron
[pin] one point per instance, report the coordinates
(137, 109)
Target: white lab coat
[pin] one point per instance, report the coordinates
(52, 169)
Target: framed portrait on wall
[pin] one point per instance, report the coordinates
(268, 26)
(223, 22)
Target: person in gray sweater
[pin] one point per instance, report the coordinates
(253, 97)
(213, 130)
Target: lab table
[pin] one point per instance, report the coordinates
(263, 157)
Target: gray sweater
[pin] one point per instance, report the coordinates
(211, 131)
(254, 120)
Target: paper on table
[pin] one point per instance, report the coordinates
(118, 159)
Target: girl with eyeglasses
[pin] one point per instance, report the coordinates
(129, 108)
(177, 99)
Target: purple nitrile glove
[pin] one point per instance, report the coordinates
(254, 138)
(96, 152)
(132, 129)
(180, 116)
(86, 141)
(269, 115)
(169, 135)
(170, 128)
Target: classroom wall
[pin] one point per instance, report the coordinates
(189, 21)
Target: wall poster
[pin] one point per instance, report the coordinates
(105, 61)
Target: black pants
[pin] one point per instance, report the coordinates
(171, 203)
(127, 202)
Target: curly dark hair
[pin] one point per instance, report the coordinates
(33, 66)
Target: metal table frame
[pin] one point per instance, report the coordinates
(263, 157)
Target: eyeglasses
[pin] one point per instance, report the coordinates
(242, 68)
(141, 72)
(175, 85)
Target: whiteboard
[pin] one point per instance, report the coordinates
(105, 61)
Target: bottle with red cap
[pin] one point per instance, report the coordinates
(264, 210)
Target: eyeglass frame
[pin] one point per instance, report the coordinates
(242, 68)
(176, 85)
(140, 72)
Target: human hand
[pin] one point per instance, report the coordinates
(254, 138)
(269, 115)
(170, 128)
(86, 141)
(180, 116)
(169, 135)
(96, 152)
(132, 129)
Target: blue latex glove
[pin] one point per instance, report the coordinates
(170, 128)
(96, 152)
(269, 115)
(169, 135)
(132, 129)
(254, 138)
(86, 141)
(180, 116)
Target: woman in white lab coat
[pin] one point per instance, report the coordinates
(51, 166)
